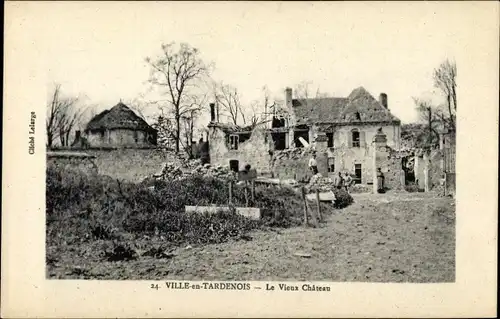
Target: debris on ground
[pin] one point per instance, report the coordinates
(321, 183)
(172, 171)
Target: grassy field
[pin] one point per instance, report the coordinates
(394, 237)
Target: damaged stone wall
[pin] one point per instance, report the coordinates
(367, 133)
(253, 151)
(293, 164)
(436, 170)
(345, 157)
(391, 166)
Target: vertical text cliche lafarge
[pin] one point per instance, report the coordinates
(31, 142)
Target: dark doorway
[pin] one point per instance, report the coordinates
(234, 165)
(357, 173)
(408, 165)
(279, 140)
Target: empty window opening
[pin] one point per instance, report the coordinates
(301, 133)
(234, 141)
(330, 139)
(279, 140)
(278, 122)
(355, 138)
(357, 116)
(243, 137)
(136, 136)
(357, 173)
(331, 165)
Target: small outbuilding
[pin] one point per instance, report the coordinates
(119, 127)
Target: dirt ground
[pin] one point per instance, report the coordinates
(394, 237)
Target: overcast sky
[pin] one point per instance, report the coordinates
(99, 48)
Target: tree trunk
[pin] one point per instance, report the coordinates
(178, 133)
(67, 138)
(429, 110)
(50, 138)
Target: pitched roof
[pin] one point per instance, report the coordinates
(359, 106)
(318, 109)
(119, 116)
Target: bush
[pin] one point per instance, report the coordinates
(342, 198)
(82, 207)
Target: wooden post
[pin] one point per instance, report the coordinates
(320, 218)
(305, 205)
(253, 191)
(230, 193)
(246, 194)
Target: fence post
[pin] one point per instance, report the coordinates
(230, 192)
(319, 206)
(246, 194)
(253, 191)
(305, 205)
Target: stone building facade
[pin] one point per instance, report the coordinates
(340, 130)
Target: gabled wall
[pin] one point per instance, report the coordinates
(254, 151)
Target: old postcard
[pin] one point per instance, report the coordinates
(250, 159)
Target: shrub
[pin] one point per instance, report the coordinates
(81, 208)
(342, 198)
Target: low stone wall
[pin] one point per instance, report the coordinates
(82, 162)
(132, 164)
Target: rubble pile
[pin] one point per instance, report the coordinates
(293, 153)
(218, 171)
(172, 171)
(321, 183)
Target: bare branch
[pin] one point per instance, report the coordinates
(178, 72)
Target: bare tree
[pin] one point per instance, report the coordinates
(430, 117)
(63, 115)
(179, 74)
(228, 102)
(445, 80)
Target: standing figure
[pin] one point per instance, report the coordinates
(313, 165)
(380, 181)
(347, 181)
(339, 181)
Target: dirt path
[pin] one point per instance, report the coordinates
(380, 238)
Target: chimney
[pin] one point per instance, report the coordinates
(383, 100)
(212, 112)
(288, 98)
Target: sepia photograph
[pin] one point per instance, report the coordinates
(328, 166)
(263, 147)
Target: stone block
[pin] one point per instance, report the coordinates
(249, 212)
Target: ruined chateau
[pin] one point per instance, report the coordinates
(341, 130)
